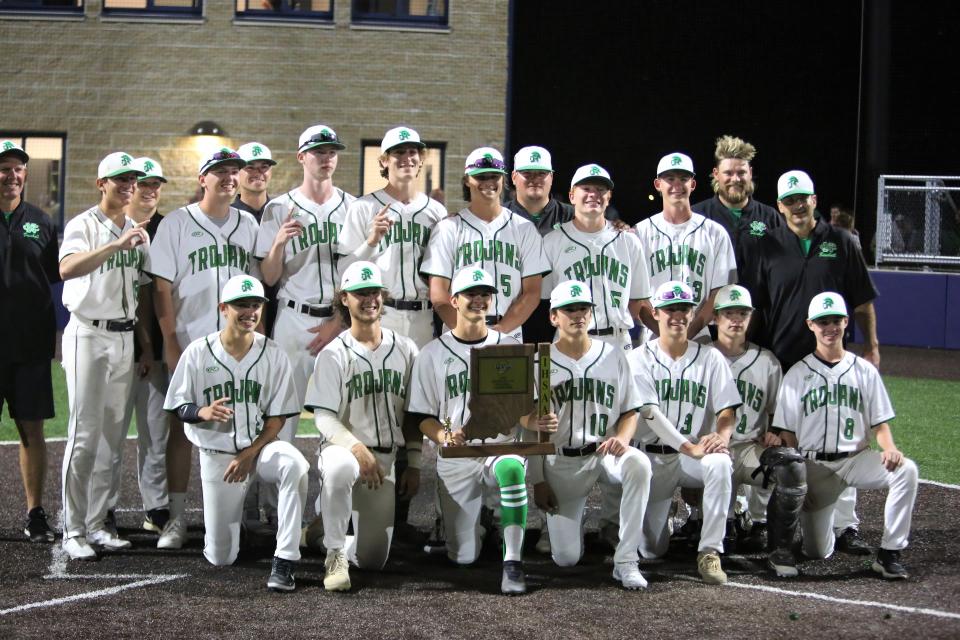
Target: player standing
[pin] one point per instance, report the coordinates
(233, 390)
(358, 395)
(101, 262)
(252, 195)
(830, 405)
(697, 394)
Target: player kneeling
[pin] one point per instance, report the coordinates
(233, 390)
(357, 393)
(595, 403)
(441, 391)
(829, 404)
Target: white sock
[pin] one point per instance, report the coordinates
(512, 542)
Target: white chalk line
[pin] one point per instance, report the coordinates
(142, 581)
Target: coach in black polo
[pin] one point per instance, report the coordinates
(28, 265)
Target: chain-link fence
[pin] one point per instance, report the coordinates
(918, 221)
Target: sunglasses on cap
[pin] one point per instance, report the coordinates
(322, 136)
(488, 163)
(676, 294)
(225, 155)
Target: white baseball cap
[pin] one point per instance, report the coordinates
(240, 287)
(319, 135)
(11, 148)
(115, 164)
(361, 275)
(827, 303)
(225, 155)
(733, 296)
(484, 160)
(675, 161)
(532, 159)
(254, 151)
(793, 183)
(398, 136)
(150, 168)
(671, 293)
(591, 173)
(472, 278)
(570, 292)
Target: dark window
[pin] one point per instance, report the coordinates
(164, 8)
(69, 7)
(321, 10)
(44, 185)
(401, 12)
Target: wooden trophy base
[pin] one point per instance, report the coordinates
(502, 449)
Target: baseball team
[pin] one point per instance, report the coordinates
(702, 349)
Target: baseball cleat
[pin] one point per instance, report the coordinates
(889, 566)
(543, 542)
(708, 564)
(783, 563)
(156, 519)
(437, 543)
(281, 576)
(338, 571)
(850, 542)
(174, 535)
(78, 549)
(514, 582)
(628, 573)
(37, 529)
(108, 540)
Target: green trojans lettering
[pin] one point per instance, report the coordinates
(606, 266)
(457, 384)
(836, 395)
(246, 391)
(405, 231)
(313, 234)
(663, 259)
(488, 251)
(585, 390)
(751, 395)
(370, 383)
(682, 391)
(214, 256)
(126, 258)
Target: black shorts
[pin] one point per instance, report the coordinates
(28, 390)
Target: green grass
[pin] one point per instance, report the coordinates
(925, 427)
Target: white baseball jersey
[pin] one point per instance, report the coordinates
(509, 247)
(697, 252)
(692, 389)
(832, 409)
(310, 273)
(109, 292)
(198, 256)
(757, 375)
(590, 394)
(260, 386)
(401, 249)
(366, 389)
(441, 379)
(610, 261)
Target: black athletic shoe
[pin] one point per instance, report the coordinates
(281, 576)
(850, 542)
(888, 565)
(37, 528)
(730, 536)
(156, 519)
(110, 524)
(514, 582)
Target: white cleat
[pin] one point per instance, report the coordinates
(543, 543)
(174, 535)
(628, 573)
(108, 540)
(78, 549)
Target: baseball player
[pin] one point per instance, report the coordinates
(830, 405)
(489, 236)
(358, 395)
(439, 392)
(255, 176)
(697, 394)
(232, 389)
(196, 250)
(595, 404)
(682, 245)
(28, 266)
(101, 262)
(753, 445)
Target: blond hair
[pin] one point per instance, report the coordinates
(732, 147)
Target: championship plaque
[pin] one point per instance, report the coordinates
(501, 391)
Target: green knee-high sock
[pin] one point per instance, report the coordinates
(511, 478)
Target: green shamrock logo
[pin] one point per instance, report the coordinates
(594, 170)
(828, 250)
(757, 228)
(31, 230)
(404, 134)
(7, 145)
(488, 156)
(828, 303)
(734, 295)
(257, 150)
(576, 291)
(677, 290)
(246, 286)
(675, 161)
(148, 166)
(125, 159)
(535, 156)
(792, 181)
(477, 275)
(366, 273)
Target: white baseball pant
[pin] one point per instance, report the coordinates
(416, 325)
(746, 460)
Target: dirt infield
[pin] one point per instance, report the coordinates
(909, 362)
(149, 593)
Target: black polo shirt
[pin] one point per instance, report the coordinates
(28, 266)
(554, 213)
(156, 335)
(243, 206)
(714, 209)
(782, 281)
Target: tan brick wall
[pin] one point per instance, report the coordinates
(139, 86)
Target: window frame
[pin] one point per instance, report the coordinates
(153, 11)
(399, 19)
(36, 8)
(439, 145)
(285, 14)
(22, 136)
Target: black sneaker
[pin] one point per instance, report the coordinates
(281, 576)
(514, 582)
(730, 536)
(850, 542)
(37, 528)
(888, 565)
(156, 519)
(110, 524)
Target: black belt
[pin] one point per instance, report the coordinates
(381, 449)
(576, 452)
(408, 305)
(308, 310)
(601, 332)
(492, 320)
(114, 325)
(830, 457)
(659, 448)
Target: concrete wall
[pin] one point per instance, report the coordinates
(138, 86)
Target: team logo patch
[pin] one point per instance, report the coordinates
(828, 250)
(792, 181)
(594, 170)
(576, 291)
(7, 145)
(570, 249)
(246, 286)
(808, 377)
(366, 273)
(448, 360)
(31, 230)
(148, 166)
(404, 134)
(757, 228)
(828, 303)
(257, 150)
(212, 369)
(125, 159)
(535, 156)
(477, 276)
(197, 234)
(734, 295)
